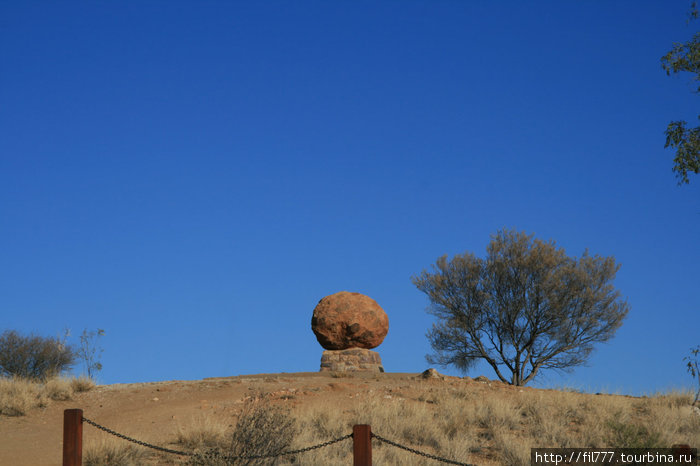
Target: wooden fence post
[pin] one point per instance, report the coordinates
(73, 437)
(362, 445)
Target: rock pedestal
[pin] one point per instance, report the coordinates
(351, 360)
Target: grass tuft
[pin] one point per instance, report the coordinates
(202, 433)
(58, 389)
(83, 384)
(109, 452)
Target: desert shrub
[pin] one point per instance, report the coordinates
(262, 429)
(33, 357)
(114, 453)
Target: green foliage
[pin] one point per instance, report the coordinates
(684, 57)
(687, 144)
(693, 369)
(34, 357)
(89, 352)
(527, 306)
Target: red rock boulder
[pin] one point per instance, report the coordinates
(349, 320)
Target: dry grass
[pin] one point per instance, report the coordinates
(454, 424)
(450, 422)
(203, 432)
(19, 396)
(115, 452)
(456, 419)
(439, 424)
(58, 389)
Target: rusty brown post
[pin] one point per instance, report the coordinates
(73, 437)
(680, 449)
(362, 445)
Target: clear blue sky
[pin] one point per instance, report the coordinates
(193, 177)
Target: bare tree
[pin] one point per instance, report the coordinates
(527, 306)
(90, 352)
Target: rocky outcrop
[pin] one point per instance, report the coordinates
(349, 320)
(431, 374)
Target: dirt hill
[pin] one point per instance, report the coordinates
(471, 420)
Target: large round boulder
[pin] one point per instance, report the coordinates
(349, 320)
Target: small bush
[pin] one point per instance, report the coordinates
(262, 429)
(33, 357)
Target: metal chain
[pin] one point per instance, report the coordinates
(138, 442)
(416, 452)
(272, 455)
(227, 457)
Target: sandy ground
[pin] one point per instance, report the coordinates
(152, 411)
